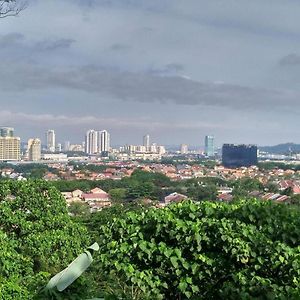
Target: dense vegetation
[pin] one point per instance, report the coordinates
(246, 249)
(38, 238)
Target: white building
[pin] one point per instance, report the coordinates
(34, 148)
(153, 148)
(161, 150)
(55, 157)
(91, 142)
(50, 140)
(103, 141)
(184, 149)
(59, 147)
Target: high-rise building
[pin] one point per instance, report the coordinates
(103, 142)
(6, 132)
(34, 148)
(9, 148)
(50, 140)
(146, 141)
(67, 146)
(58, 147)
(235, 156)
(91, 142)
(209, 146)
(184, 149)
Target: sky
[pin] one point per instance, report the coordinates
(178, 70)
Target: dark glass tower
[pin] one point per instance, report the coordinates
(235, 156)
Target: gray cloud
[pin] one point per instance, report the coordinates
(145, 87)
(290, 60)
(17, 40)
(119, 47)
(11, 40)
(63, 120)
(54, 44)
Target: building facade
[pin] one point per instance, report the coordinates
(50, 140)
(236, 156)
(146, 141)
(34, 148)
(209, 150)
(184, 149)
(91, 142)
(104, 142)
(9, 148)
(6, 132)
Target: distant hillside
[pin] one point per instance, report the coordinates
(281, 148)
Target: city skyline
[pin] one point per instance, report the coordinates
(81, 138)
(176, 71)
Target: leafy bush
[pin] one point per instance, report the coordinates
(245, 250)
(37, 237)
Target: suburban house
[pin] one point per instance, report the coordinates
(97, 199)
(174, 198)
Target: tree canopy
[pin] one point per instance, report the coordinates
(245, 250)
(37, 236)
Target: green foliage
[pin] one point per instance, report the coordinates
(243, 186)
(199, 193)
(245, 250)
(288, 191)
(37, 237)
(272, 187)
(157, 179)
(278, 165)
(295, 199)
(78, 209)
(118, 194)
(94, 221)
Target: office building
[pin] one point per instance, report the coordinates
(34, 148)
(9, 148)
(103, 142)
(184, 149)
(50, 140)
(6, 132)
(146, 142)
(209, 150)
(91, 142)
(235, 156)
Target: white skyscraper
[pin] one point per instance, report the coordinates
(103, 141)
(146, 141)
(50, 139)
(91, 142)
